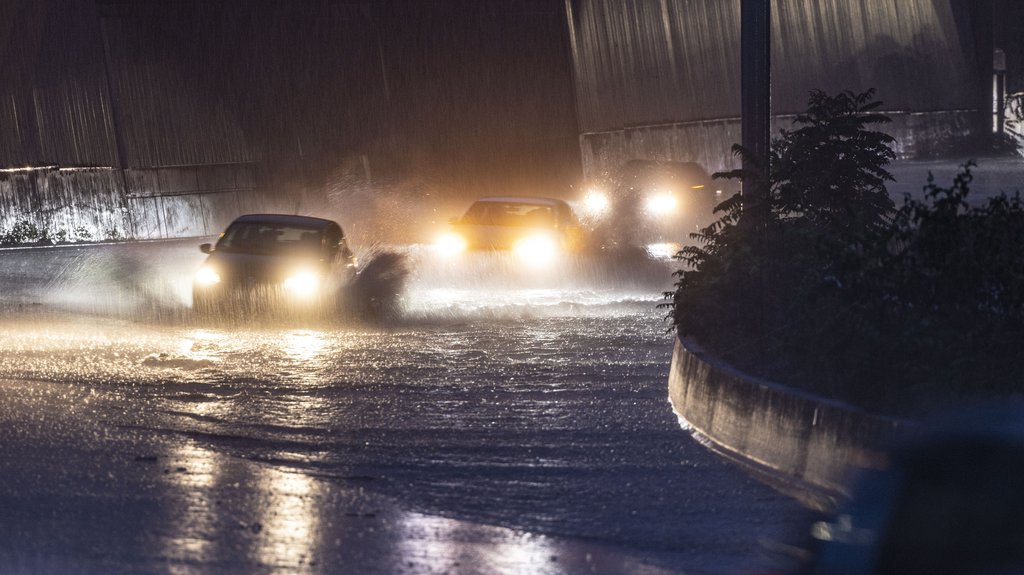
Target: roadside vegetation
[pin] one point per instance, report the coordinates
(24, 232)
(825, 283)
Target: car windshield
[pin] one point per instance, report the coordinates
(270, 238)
(509, 214)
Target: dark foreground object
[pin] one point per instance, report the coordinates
(948, 502)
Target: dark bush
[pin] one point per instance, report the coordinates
(824, 283)
(953, 287)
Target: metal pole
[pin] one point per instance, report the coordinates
(982, 14)
(999, 68)
(755, 53)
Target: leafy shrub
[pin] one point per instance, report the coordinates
(824, 283)
(953, 287)
(1015, 120)
(22, 232)
(25, 232)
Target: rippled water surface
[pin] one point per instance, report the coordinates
(541, 408)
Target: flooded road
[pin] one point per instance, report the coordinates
(492, 427)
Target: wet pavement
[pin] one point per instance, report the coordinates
(82, 495)
(491, 427)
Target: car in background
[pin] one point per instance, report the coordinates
(536, 231)
(655, 205)
(273, 262)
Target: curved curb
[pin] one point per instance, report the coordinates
(807, 443)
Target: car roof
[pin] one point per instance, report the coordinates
(306, 221)
(535, 200)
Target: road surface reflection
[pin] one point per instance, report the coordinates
(518, 429)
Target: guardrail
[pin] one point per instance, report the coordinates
(804, 444)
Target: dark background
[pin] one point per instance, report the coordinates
(192, 112)
(465, 92)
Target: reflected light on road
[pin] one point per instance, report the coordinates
(203, 344)
(427, 542)
(290, 521)
(304, 345)
(438, 545)
(310, 353)
(519, 553)
(199, 464)
(194, 473)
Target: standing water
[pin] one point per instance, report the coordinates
(536, 404)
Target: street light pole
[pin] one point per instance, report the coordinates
(999, 69)
(755, 54)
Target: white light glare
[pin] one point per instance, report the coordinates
(537, 250)
(661, 204)
(207, 276)
(450, 244)
(596, 203)
(302, 283)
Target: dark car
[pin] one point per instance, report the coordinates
(273, 262)
(535, 229)
(946, 501)
(653, 204)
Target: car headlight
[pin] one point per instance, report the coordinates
(662, 204)
(596, 203)
(450, 244)
(207, 276)
(537, 250)
(302, 283)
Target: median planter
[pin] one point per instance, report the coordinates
(804, 444)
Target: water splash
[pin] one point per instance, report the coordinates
(376, 293)
(396, 286)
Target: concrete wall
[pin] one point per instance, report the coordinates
(188, 201)
(169, 98)
(659, 80)
(710, 142)
(89, 201)
(807, 442)
(152, 203)
(648, 62)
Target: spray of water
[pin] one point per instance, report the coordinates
(377, 291)
(396, 286)
(148, 282)
(498, 285)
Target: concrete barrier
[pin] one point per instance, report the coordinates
(709, 142)
(803, 443)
